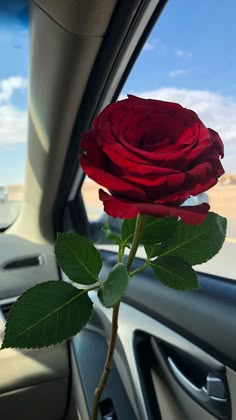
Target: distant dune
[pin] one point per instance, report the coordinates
(15, 192)
(222, 198)
(227, 180)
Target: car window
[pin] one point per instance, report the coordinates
(189, 58)
(13, 107)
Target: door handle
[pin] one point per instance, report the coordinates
(212, 396)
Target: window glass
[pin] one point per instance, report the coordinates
(91, 201)
(190, 59)
(13, 107)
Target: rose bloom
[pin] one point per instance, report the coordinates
(151, 156)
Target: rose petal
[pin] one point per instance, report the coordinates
(115, 207)
(124, 160)
(112, 183)
(134, 100)
(95, 153)
(152, 153)
(218, 142)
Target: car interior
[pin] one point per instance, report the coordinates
(175, 356)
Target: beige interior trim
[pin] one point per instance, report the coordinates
(82, 17)
(45, 401)
(60, 64)
(174, 403)
(20, 369)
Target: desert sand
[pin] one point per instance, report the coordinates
(222, 197)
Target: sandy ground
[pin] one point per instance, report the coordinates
(222, 198)
(15, 192)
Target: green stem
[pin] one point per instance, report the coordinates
(93, 287)
(139, 269)
(114, 325)
(137, 237)
(108, 362)
(120, 253)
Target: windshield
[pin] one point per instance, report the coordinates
(189, 59)
(13, 107)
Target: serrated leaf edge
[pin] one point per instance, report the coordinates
(187, 264)
(43, 319)
(170, 252)
(84, 266)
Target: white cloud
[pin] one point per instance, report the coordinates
(8, 86)
(183, 53)
(148, 47)
(13, 125)
(13, 121)
(215, 110)
(157, 45)
(177, 72)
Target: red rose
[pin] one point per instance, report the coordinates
(151, 155)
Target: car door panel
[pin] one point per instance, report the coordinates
(34, 383)
(40, 401)
(192, 314)
(158, 326)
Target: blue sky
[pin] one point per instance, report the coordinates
(189, 58)
(13, 91)
(197, 37)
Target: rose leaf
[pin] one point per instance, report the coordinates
(47, 314)
(78, 258)
(175, 273)
(127, 230)
(196, 244)
(155, 229)
(112, 290)
(152, 250)
(112, 236)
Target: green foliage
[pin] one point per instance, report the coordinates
(112, 290)
(112, 236)
(155, 230)
(158, 230)
(127, 230)
(47, 314)
(152, 250)
(55, 311)
(78, 258)
(175, 273)
(196, 244)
